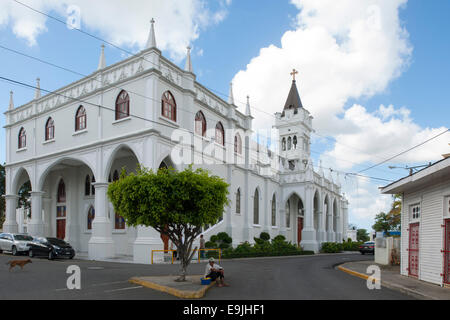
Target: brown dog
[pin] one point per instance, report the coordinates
(20, 263)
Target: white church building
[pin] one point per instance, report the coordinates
(71, 143)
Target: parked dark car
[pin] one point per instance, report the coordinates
(367, 247)
(51, 248)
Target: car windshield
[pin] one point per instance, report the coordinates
(56, 242)
(22, 237)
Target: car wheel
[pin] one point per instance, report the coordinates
(71, 257)
(362, 253)
(14, 251)
(30, 253)
(51, 256)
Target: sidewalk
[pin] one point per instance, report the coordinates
(392, 279)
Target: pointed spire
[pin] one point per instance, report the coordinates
(230, 94)
(293, 100)
(151, 41)
(247, 108)
(11, 100)
(188, 65)
(102, 61)
(37, 93)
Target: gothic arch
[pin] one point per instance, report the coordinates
(52, 165)
(18, 180)
(112, 157)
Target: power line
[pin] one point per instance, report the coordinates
(403, 152)
(151, 62)
(145, 119)
(132, 54)
(120, 88)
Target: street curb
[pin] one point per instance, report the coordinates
(175, 292)
(388, 284)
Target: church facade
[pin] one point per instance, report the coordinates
(71, 143)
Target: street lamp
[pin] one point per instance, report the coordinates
(411, 169)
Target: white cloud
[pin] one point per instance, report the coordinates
(124, 23)
(343, 50)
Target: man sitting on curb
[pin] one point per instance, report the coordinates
(215, 272)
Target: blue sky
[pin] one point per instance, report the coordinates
(223, 51)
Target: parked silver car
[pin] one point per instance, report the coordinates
(15, 243)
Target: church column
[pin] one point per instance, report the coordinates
(47, 205)
(309, 234)
(10, 225)
(338, 227)
(228, 213)
(321, 233)
(101, 244)
(36, 225)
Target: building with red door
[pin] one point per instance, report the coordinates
(145, 110)
(425, 219)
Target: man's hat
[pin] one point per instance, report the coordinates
(211, 259)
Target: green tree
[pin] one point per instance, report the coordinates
(391, 221)
(177, 204)
(2, 193)
(362, 235)
(381, 222)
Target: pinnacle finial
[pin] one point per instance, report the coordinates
(188, 65)
(37, 93)
(247, 108)
(230, 94)
(11, 100)
(102, 61)
(151, 41)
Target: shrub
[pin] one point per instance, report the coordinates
(264, 236)
(331, 247)
(351, 246)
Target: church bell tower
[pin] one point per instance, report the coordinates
(294, 125)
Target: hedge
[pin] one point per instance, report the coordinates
(263, 247)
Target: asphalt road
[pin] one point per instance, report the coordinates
(289, 278)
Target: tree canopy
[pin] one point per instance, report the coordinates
(176, 204)
(391, 221)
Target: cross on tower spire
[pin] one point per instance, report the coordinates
(293, 73)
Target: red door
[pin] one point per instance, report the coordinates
(413, 268)
(61, 228)
(447, 252)
(299, 230)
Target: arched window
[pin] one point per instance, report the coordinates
(289, 143)
(90, 217)
(168, 106)
(200, 124)
(238, 200)
(61, 192)
(274, 210)
(294, 142)
(288, 214)
(87, 186)
(49, 129)
(115, 175)
(237, 144)
(163, 165)
(283, 144)
(122, 105)
(22, 138)
(80, 119)
(220, 134)
(256, 207)
(92, 186)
